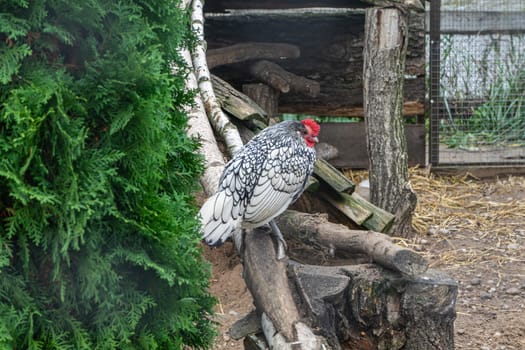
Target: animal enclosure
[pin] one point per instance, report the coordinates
(329, 41)
(477, 82)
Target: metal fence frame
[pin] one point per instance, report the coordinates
(436, 101)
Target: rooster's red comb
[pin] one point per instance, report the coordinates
(314, 127)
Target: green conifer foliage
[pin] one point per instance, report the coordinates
(98, 237)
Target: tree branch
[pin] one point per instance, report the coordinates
(316, 229)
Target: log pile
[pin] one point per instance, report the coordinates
(388, 301)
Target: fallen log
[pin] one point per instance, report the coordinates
(316, 230)
(267, 280)
(282, 80)
(251, 51)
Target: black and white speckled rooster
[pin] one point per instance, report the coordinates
(261, 180)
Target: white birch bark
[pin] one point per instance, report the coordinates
(221, 124)
(200, 128)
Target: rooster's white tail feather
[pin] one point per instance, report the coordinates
(217, 221)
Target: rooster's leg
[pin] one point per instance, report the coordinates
(281, 244)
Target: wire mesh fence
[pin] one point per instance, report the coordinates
(477, 82)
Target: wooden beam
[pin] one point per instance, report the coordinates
(224, 5)
(410, 109)
(415, 5)
(333, 177)
(250, 51)
(227, 5)
(479, 22)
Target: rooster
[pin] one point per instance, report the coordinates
(261, 180)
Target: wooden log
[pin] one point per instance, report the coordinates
(200, 128)
(282, 80)
(366, 307)
(267, 281)
(384, 65)
(249, 324)
(326, 151)
(265, 275)
(312, 185)
(318, 231)
(265, 96)
(333, 177)
(428, 306)
(360, 211)
(251, 51)
(239, 105)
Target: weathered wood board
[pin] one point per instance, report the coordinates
(350, 139)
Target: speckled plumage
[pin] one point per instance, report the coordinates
(260, 181)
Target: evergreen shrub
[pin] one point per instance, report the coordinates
(98, 241)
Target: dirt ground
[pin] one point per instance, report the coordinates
(470, 228)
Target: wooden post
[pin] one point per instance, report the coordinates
(385, 49)
(265, 96)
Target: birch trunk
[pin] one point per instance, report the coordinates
(219, 121)
(199, 127)
(385, 49)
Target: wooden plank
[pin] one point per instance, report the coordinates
(312, 185)
(479, 22)
(223, 5)
(350, 140)
(410, 109)
(349, 207)
(480, 172)
(333, 177)
(380, 220)
(238, 104)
